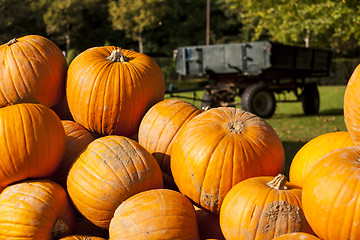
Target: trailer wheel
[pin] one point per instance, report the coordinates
(217, 98)
(258, 99)
(310, 99)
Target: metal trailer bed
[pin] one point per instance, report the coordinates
(255, 71)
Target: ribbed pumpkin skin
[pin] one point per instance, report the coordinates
(32, 70)
(155, 214)
(219, 148)
(160, 125)
(351, 106)
(297, 236)
(110, 170)
(313, 151)
(331, 195)
(81, 237)
(30, 210)
(77, 139)
(253, 210)
(109, 97)
(32, 142)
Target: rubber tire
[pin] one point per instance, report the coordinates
(207, 101)
(310, 99)
(259, 100)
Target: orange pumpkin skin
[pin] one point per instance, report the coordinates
(155, 214)
(160, 125)
(262, 208)
(111, 97)
(331, 195)
(219, 148)
(351, 106)
(313, 151)
(77, 139)
(297, 236)
(123, 168)
(32, 142)
(81, 237)
(41, 77)
(35, 209)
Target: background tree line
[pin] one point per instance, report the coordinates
(156, 27)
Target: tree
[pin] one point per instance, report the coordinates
(136, 16)
(324, 23)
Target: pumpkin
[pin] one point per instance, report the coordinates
(32, 70)
(331, 195)
(35, 209)
(32, 142)
(81, 237)
(313, 150)
(160, 125)
(110, 170)
(219, 148)
(208, 225)
(155, 214)
(297, 236)
(77, 139)
(110, 89)
(351, 106)
(262, 208)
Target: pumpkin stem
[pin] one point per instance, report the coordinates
(235, 127)
(117, 56)
(279, 182)
(59, 228)
(12, 41)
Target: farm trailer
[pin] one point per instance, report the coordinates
(255, 71)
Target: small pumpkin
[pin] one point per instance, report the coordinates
(262, 208)
(110, 170)
(313, 150)
(77, 139)
(155, 214)
(32, 70)
(351, 106)
(35, 209)
(160, 125)
(32, 142)
(297, 236)
(331, 195)
(219, 148)
(110, 89)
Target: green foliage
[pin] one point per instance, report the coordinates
(325, 23)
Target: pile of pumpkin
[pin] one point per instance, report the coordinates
(93, 151)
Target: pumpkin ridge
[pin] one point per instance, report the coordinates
(20, 72)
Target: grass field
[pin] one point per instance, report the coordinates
(294, 128)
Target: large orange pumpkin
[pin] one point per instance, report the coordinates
(110, 170)
(33, 70)
(35, 209)
(219, 148)
(160, 125)
(262, 208)
(32, 142)
(155, 214)
(351, 106)
(331, 195)
(313, 150)
(77, 139)
(110, 89)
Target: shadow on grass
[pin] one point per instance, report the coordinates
(291, 148)
(326, 112)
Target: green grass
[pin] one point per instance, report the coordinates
(293, 127)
